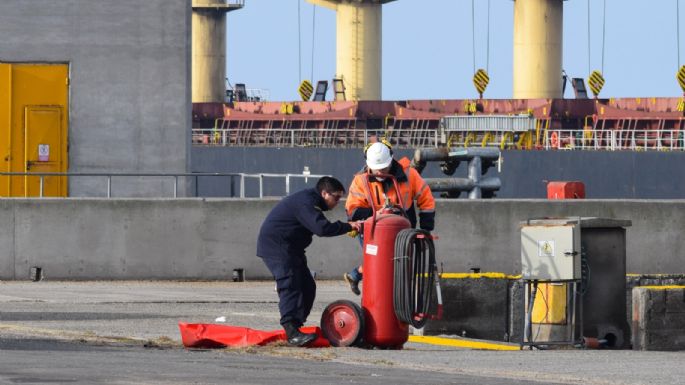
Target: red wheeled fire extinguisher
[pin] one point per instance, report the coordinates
(383, 329)
(399, 272)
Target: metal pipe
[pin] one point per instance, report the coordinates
(463, 184)
(423, 155)
(468, 153)
(449, 184)
(571, 308)
(474, 171)
(528, 319)
(491, 183)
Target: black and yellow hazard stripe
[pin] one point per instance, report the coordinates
(681, 77)
(481, 80)
(596, 82)
(306, 89)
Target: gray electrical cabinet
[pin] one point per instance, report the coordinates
(550, 252)
(585, 251)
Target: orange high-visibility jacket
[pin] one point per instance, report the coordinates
(412, 188)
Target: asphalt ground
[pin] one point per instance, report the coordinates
(126, 332)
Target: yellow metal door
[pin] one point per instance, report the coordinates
(5, 125)
(43, 151)
(34, 108)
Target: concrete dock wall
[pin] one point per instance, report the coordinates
(208, 238)
(659, 318)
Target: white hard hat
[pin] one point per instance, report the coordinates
(378, 156)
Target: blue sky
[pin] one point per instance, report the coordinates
(428, 51)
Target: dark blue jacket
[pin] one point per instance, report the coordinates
(288, 229)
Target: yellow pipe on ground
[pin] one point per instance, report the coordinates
(463, 343)
(358, 46)
(538, 26)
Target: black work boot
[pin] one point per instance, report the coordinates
(354, 284)
(296, 337)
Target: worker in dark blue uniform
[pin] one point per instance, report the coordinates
(283, 238)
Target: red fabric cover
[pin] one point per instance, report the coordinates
(220, 336)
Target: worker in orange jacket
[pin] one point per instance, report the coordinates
(379, 160)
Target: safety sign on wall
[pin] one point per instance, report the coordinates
(43, 152)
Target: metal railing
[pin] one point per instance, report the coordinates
(261, 177)
(541, 137)
(614, 140)
(573, 139)
(311, 137)
(175, 177)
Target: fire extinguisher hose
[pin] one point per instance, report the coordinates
(415, 269)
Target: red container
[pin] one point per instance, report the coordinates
(383, 329)
(566, 190)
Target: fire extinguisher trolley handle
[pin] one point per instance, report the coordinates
(388, 206)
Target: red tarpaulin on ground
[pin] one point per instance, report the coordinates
(220, 336)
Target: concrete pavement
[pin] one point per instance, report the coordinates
(127, 316)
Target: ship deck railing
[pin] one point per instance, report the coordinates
(313, 137)
(572, 139)
(614, 140)
(542, 138)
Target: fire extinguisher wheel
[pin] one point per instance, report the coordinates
(342, 323)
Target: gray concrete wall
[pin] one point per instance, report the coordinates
(130, 83)
(208, 238)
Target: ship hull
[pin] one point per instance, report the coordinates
(524, 174)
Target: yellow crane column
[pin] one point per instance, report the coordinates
(538, 26)
(359, 45)
(209, 48)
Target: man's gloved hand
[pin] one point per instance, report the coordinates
(357, 227)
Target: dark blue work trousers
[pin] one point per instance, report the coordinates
(296, 290)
